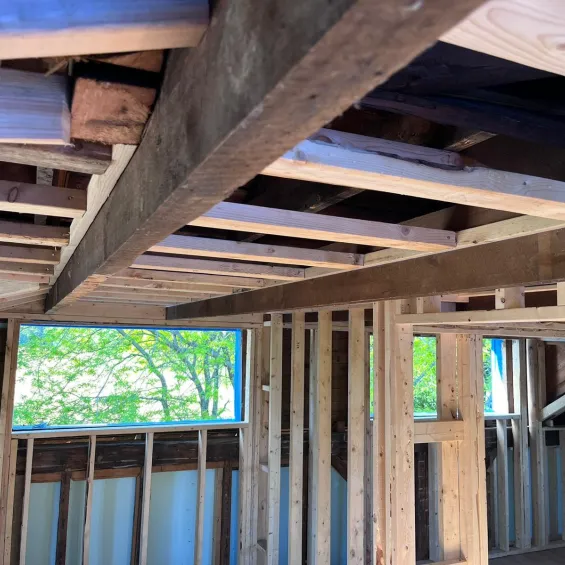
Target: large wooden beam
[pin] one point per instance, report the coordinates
(66, 27)
(339, 158)
(242, 217)
(518, 30)
(287, 76)
(522, 261)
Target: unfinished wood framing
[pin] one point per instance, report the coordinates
(89, 500)
(296, 454)
(9, 486)
(25, 504)
(146, 498)
(200, 496)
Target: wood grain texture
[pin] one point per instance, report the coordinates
(146, 498)
(333, 163)
(80, 157)
(243, 217)
(529, 32)
(26, 254)
(33, 234)
(222, 249)
(288, 76)
(200, 494)
(67, 27)
(33, 108)
(26, 501)
(523, 261)
(110, 113)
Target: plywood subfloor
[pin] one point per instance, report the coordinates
(548, 557)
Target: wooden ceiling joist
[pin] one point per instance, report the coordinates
(45, 200)
(184, 265)
(66, 27)
(522, 261)
(334, 161)
(16, 268)
(288, 76)
(242, 217)
(243, 251)
(165, 286)
(33, 107)
(142, 296)
(33, 234)
(524, 31)
(80, 157)
(25, 254)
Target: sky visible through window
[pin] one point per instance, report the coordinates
(73, 376)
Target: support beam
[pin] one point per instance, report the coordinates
(517, 30)
(25, 502)
(242, 217)
(185, 265)
(243, 251)
(276, 93)
(146, 498)
(64, 28)
(335, 161)
(200, 497)
(9, 487)
(524, 261)
(89, 501)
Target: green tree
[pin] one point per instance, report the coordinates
(70, 375)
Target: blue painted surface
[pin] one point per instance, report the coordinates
(42, 523)
(53, 15)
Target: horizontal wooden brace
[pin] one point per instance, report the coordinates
(439, 431)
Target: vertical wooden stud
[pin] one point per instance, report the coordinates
(503, 509)
(296, 455)
(146, 498)
(10, 492)
(312, 444)
(89, 498)
(225, 510)
(356, 438)
(136, 530)
(200, 497)
(25, 504)
(274, 459)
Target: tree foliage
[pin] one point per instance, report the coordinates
(73, 375)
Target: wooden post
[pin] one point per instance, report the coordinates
(146, 498)
(356, 438)
(382, 440)
(536, 401)
(312, 444)
(399, 369)
(472, 472)
(369, 511)
(200, 496)
(296, 454)
(25, 504)
(136, 522)
(89, 499)
(522, 500)
(10, 492)
(321, 450)
(274, 459)
(225, 514)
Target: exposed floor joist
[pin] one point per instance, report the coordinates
(335, 158)
(523, 261)
(33, 234)
(65, 27)
(287, 77)
(242, 217)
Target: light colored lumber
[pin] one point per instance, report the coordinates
(33, 234)
(21, 298)
(274, 459)
(185, 265)
(240, 250)
(80, 157)
(438, 432)
(99, 188)
(200, 496)
(25, 254)
(335, 163)
(89, 500)
(255, 219)
(67, 27)
(536, 399)
(320, 493)
(356, 438)
(174, 179)
(553, 409)
(472, 471)
(33, 107)
(399, 369)
(45, 200)
(527, 32)
(509, 298)
(25, 503)
(503, 514)
(18, 268)
(296, 450)
(522, 500)
(167, 286)
(10, 486)
(133, 275)
(146, 498)
(136, 294)
(382, 441)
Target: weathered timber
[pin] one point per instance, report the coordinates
(287, 77)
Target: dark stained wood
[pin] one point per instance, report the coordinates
(63, 523)
(136, 522)
(521, 261)
(225, 520)
(80, 157)
(265, 76)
